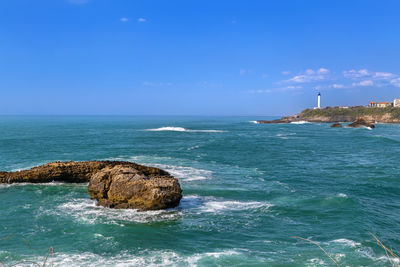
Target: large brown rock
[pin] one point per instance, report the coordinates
(114, 184)
(336, 125)
(125, 187)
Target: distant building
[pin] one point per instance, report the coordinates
(396, 103)
(372, 104)
(384, 104)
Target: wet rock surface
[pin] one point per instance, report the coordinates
(361, 123)
(114, 184)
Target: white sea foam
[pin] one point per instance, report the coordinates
(53, 183)
(86, 211)
(218, 205)
(256, 122)
(299, 122)
(145, 258)
(342, 195)
(186, 174)
(347, 242)
(181, 129)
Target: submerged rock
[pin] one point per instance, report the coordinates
(336, 125)
(361, 123)
(114, 184)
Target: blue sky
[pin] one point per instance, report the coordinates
(196, 57)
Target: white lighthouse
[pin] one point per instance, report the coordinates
(319, 100)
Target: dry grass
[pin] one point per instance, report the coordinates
(388, 251)
(315, 243)
(49, 252)
(391, 256)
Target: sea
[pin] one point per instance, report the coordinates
(253, 194)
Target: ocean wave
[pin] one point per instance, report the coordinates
(181, 129)
(256, 122)
(300, 122)
(217, 205)
(145, 258)
(186, 174)
(53, 183)
(86, 211)
(346, 242)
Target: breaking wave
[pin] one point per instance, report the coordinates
(181, 129)
(299, 122)
(144, 258)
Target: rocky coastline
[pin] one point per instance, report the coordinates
(342, 115)
(114, 184)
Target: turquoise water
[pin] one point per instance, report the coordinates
(248, 189)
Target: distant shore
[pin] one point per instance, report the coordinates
(338, 114)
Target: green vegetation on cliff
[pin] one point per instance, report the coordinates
(357, 111)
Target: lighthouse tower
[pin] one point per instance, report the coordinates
(319, 100)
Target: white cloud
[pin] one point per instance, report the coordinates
(364, 73)
(286, 72)
(383, 75)
(337, 86)
(310, 75)
(124, 19)
(309, 72)
(141, 20)
(363, 83)
(323, 71)
(395, 82)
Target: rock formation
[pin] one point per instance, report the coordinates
(340, 114)
(361, 123)
(336, 125)
(125, 187)
(114, 184)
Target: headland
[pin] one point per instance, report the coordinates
(343, 114)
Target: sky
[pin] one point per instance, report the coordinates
(196, 57)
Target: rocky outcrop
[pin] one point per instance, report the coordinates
(114, 184)
(361, 123)
(274, 121)
(126, 187)
(340, 114)
(336, 125)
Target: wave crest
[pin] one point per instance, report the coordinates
(181, 129)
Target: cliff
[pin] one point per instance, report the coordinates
(351, 114)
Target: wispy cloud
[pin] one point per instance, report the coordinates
(364, 73)
(124, 19)
(395, 82)
(323, 79)
(363, 83)
(310, 75)
(142, 20)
